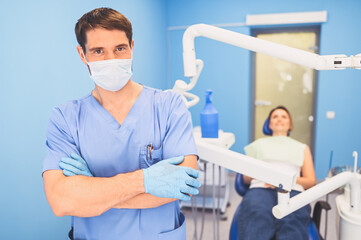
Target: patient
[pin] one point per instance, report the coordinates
(256, 220)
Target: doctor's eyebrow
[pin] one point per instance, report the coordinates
(95, 48)
(123, 45)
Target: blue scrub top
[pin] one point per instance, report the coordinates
(83, 126)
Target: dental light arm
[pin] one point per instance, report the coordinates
(246, 165)
(283, 209)
(354, 179)
(182, 87)
(312, 60)
(193, 66)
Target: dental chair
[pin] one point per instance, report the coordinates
(241, 188)
(313, 226)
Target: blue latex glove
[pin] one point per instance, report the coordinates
(74, 166)
(165, 179)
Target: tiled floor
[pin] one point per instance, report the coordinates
(235, 199)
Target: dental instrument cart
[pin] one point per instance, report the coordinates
(224, 140)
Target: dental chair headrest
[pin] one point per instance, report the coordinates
(266, 129)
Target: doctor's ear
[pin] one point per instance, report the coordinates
(81, 54)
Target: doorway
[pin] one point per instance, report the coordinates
(278, 82)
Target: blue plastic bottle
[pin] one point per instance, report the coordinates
(209, 118)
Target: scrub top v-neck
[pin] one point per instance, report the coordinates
(85, 127)
(108, 117)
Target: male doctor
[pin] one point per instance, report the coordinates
(119, 158)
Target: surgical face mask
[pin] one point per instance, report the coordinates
(112, 75)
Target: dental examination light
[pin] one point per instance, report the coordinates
(246, 165)
(193, 66)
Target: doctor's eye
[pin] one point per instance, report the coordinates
(121, 49)
(98, 51)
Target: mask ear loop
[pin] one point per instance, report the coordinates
(86, 62)
(131, 57)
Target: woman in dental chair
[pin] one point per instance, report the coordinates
(256, 220)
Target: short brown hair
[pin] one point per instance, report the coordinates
(284, 109)
(106, 18)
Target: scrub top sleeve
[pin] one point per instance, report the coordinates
(59, 142)
(179, 140)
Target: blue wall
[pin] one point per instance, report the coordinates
(41, 69)
(227, 71)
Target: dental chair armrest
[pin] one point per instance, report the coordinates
(240, 186)
(316, 215)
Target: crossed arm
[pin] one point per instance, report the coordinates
(84, 196)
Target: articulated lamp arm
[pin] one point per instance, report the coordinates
(240, 163)
(193, 66)
(294, 55)
(283, 209)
